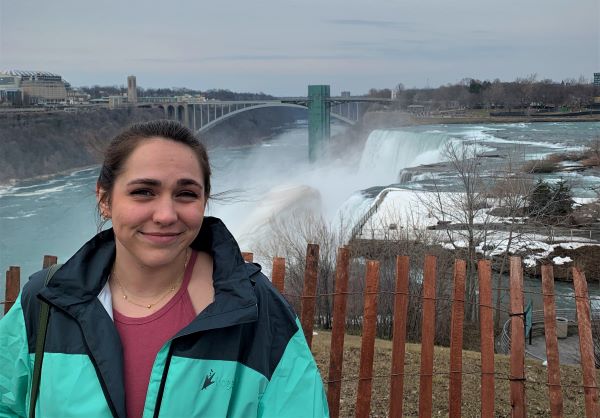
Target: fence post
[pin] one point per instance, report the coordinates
(586, 345)
(336, 355)
(309, 292)
(248, 257)
(554, 388)
(278, 274)
(456, 339)
(486, 321)
(427, 338)
(399, 337)
(367, 349)
(13, 286)
(49, 260)
(517, 340)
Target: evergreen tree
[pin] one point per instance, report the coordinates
(549, 202)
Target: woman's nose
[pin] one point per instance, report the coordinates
(165, 213)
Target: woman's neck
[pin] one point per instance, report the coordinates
(144, 281)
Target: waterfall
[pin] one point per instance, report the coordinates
(386, 153)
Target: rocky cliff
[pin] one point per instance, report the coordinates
(39, 144)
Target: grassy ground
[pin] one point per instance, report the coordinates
(536, 389)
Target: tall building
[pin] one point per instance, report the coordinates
(131, 89)
(37, 86)
(597, 79)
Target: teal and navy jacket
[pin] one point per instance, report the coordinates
(244, 356)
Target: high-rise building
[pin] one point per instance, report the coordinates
(597, 79)
(131, 89)
(39, 87)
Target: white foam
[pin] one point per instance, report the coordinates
(43, 192)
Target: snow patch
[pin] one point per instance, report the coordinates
(558, 261)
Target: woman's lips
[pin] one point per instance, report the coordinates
(160, 237)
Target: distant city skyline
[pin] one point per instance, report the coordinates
(280, 46)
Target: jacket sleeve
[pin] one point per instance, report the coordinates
(14, 364)
(295, 389)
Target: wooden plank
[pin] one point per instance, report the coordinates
(486, 321)
(13, 286)
(309, 292)
(49, 260)
(399, 336)
(586, 344)
(427, 338)
(336, 355)
(278, 274)
(367, 349)
(248, 257)
(517, 340)
(554, 388)
(456, 339)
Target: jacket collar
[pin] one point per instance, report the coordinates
(82, 277)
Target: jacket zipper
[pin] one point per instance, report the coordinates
(163, 381)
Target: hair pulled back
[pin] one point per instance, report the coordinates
(123, 145)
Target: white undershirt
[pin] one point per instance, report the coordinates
(105, 298)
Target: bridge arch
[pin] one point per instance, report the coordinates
(231, 114)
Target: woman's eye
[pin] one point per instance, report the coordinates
(142, 192)
(187, 194)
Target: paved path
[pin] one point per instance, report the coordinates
(568, 348)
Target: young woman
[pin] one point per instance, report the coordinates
(158, 316)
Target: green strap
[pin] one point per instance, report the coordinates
(39, 344)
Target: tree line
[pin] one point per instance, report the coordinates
(522, 93)
(97, 92)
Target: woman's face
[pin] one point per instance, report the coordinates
(157, 203)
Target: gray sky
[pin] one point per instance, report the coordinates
(281, 46)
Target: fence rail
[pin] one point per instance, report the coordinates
(512, 339)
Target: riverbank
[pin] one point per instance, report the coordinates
(37, 145)
(397, 119)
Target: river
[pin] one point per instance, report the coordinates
(57, 215)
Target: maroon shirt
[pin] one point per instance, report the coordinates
(142, 338)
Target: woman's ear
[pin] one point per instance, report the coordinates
(102, 199)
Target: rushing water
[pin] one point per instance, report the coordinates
(57, 215)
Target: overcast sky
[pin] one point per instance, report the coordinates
(281, 46)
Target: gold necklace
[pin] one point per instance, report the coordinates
(164, 295)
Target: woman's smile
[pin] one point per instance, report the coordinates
(164, 238)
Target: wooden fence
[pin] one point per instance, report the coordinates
(517, 377)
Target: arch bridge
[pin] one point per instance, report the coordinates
(202, 115)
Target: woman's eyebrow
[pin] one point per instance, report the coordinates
(146, 182)
(157, 183)
(189, 182)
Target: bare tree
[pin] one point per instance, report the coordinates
(462, 210)
(465, 216)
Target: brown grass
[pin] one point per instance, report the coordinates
(536, 389)
(540, 166)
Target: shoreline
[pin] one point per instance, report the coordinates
(12, 182)
(381, 119)
(458, 120)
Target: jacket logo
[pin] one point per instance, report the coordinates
(208, 380)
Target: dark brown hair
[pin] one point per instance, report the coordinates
(123, 145)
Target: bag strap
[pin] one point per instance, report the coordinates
(39, 343)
